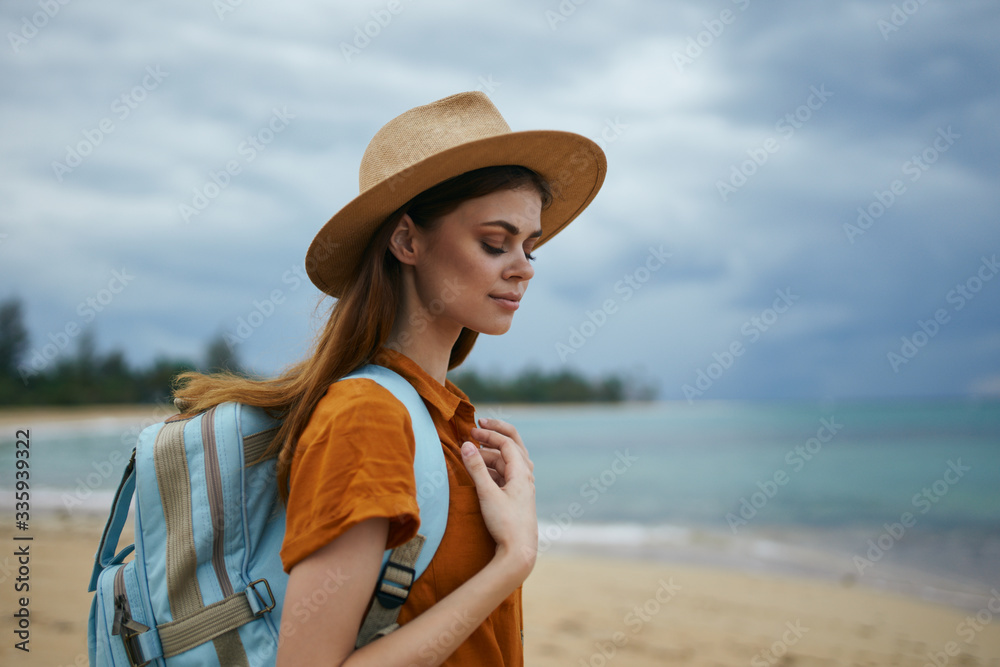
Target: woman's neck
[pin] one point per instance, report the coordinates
(421, 336)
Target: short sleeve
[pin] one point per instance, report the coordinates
(353, 462)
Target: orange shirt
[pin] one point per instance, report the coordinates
(354, 461)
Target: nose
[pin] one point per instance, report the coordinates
(520, 268)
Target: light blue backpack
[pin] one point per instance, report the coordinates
(206, 584)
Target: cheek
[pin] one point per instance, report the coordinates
(471, 280)
(470, 265)
(457, 274)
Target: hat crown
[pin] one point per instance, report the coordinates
(427, 130)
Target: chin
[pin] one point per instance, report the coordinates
(493, 328)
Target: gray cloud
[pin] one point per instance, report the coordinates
(683, 129)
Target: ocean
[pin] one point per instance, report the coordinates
(901, 495)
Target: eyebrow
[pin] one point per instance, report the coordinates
(512, 229)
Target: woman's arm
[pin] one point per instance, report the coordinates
(348, 567)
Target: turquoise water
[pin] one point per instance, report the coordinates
(726, 482)
(912, 489)
(697, 464)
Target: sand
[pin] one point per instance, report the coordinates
(579, 609)
(584, 610)
(20, 417)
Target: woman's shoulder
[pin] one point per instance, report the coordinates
(358, 403)
(353, 393)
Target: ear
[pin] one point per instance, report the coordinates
(402, 243)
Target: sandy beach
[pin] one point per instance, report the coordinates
(579, 609)
(583, 610)
(43, 415)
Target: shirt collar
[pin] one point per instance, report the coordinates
(446, 398)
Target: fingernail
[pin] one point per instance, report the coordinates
(468, 449)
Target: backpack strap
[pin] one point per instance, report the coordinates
(391, 591)
(105, 555)
(403, 565)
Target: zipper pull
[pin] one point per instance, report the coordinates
(135, 626)
(116, 626)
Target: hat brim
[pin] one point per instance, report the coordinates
(573, 165)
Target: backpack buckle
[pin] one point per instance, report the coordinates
(132, 649)
(261, 607)
(388, 592)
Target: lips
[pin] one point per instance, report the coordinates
(511, 301)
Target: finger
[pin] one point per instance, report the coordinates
(503, 427)
(512, 456)
(514, 470)
(495, 464)
(474, 463)
(494, 439)
(504, 452)
(487, 437)
(494, 459)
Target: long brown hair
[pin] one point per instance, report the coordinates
(359, 323)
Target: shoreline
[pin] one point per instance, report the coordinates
(760, 554)
(86, 417)
(765, 557)
(818, 554)
(594, 609)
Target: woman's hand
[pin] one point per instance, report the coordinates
(505, 484)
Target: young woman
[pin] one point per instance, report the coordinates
(435, 250)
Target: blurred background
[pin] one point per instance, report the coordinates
(794, 253)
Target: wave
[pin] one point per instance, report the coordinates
(791, 551)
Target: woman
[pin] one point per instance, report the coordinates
(435, 250)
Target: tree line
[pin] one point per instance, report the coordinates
(536, 386)
(67, 369)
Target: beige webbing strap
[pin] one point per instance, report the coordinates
(255, 444)
(208, 623)
(230, 650)
(393, 587)
(183, 591)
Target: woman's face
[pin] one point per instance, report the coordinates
(472, 269)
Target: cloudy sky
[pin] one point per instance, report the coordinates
(823, 177)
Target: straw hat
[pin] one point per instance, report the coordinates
(430, 144)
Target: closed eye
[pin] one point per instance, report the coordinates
(493, 250)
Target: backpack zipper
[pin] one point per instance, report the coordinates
(213, 479)
(123, 624)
